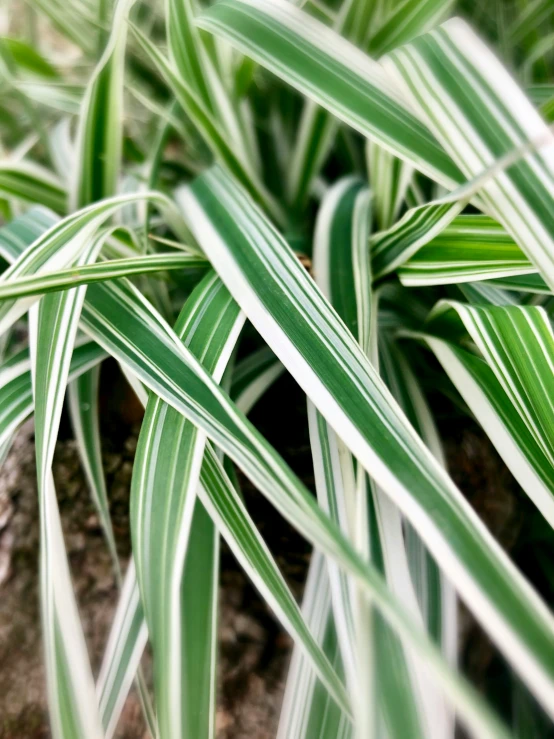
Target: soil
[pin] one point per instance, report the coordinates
(253, 649)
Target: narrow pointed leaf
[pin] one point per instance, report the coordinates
(479, 114)
(99, 138)
(307, 708)
(59, 246)
(16, 236)
(126, 643)
(73, 712)
(16, 392)
(300, 326)
(188, 266)
(332, 72)
(407, 20)
(390, 249)
(83, 409)
(224, 505)
(112, 314)
(472, 247)
(317, 128)
(510, 396)
(342, 270)
(32, 183)
(435, 594)
(389, 178)
(208, 126)
(165, 478)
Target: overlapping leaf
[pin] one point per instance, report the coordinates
(510, 394)
(479, 114)
(333, 73)
(154, 354)
(300, 326)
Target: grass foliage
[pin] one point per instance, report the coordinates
(367, 188)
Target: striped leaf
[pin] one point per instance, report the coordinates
(219, 496)
(369, 648)
(510, 397)
(479, 114)
(283, 98)
(196, 68)
(129, 634)
(340, 242)
(406, 20)
(73, 710)
(227, 510)
(208, 126)
(126, 642)
(95, 176)
(165, 478)
(16, 236)
(16, 392)
(483, 394)
(357, 22)
(31, 183)
(190, 268)
(524, 283)
(317, 129)
(390, 178)
(333, 73)
(299, 326)
(335, 486)
(82, 396)
(419, 225)
(424, 223)
(113, 314)
(59, 246)
(307, 708)
(436, 596)
(472, 247)
(187, 51)
(99, 137)
(341, 266)
(200, 611)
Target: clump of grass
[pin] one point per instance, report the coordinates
(164, 179)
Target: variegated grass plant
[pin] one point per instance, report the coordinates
(164, 165)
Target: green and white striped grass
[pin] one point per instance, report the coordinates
(360, 196)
